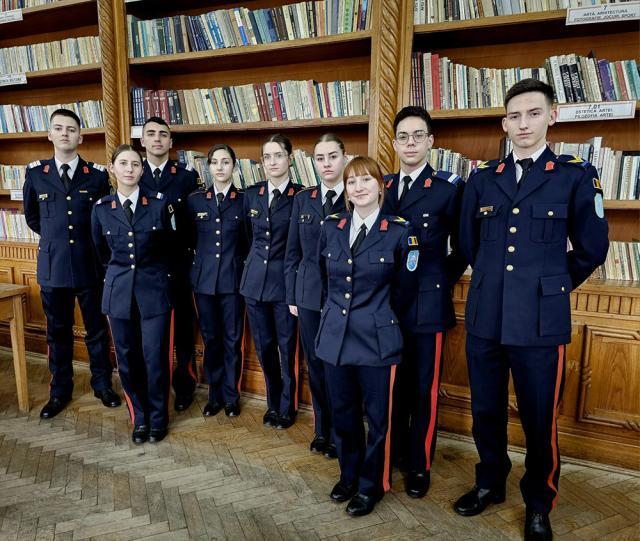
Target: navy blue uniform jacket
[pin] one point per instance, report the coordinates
(263, 277)
(432, 205)
(301, 268)
(66, 256)
(135, 255)
(219, 240)
(516, 242)
(358, 325)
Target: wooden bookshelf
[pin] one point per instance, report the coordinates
(326, 123)
(67, 76)
(42, 135)
(622, 204)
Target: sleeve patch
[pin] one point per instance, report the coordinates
(598, 204)
(412, 260)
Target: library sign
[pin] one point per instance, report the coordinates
(13, 79)
(626, 11)
(606, 110)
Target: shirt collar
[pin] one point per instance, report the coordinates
(73, 165)
(161, 166)
(282, 187)
(415, 173)
(338, 188)
(133, 198)
(533, 156)
(223, 192)
(357, 222)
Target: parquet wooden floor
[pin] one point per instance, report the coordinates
(79, 477)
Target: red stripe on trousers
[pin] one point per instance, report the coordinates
(386, 482)
(554, 425)
(434, 399)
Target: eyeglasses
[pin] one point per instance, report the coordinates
(278, 156)
(418, 137)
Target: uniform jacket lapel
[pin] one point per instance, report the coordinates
(141, 209)
(54, 177)
(79, 175)
(284, 198)
(372, 237)
(118, 212)
(227, 201)
(507, 177)
(539, 174)
(416, 189)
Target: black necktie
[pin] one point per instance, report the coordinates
(156, 175)
(127, 209)
(526, 164)
(220, 198)
(274, 201)
(328, 203)
(64, 177)
(361, 235)
(405, 188)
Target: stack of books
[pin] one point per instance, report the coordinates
(30, 118)
(13, 225)
(438, 83)
(55, 54)
(623, 262)
(8, 5)
(454, 162)
(12, 176)
(282, 100)
(241, 26)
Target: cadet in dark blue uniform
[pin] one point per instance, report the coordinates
(430, 200)
(220, 248)
(131, 231)
(175, 181)
(302, 273)
(268, 207)
(517, 216)
(362, 257)
(58, 195)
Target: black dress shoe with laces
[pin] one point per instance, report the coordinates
(342, 492)
(318, 445)
(284, 422)
(182, 402)
(361, 504)
(476, 501)
(232, 409)
(211, 409)
(270, 418)
(330, 451)
(140, 434)
(53, 407)
(157, 434)
(417, 483)
(537, 527)
(109, 397)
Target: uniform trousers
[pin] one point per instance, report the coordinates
(274, 331)
(142, 352)
(221, 319)
(59, 305)
(365, 465)
(538, 379)
(309, 324)
(184, 377)
(415, 409)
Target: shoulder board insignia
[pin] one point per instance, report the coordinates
(100, 201)
(500, 168)
(342, 223)
(144, 201)
(232, 195)
(46, 168)
(574, 160)
(261, 192)
(209, 195)
(98, 166)
(428, 182)
(451, 178)
(332, 217)
(597, 184)
(174, 170)
(485, 165)
(389, 183)
(384, 224)
(159, 195)
(550, 166)
(85, 170)
(314, 193)
(399, 220)
(113, 204)
(33, 164)
(291, 192)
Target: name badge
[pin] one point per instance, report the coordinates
(254, 213)
(43, 196)
(83, 191)
(486, 209)
(202, 215)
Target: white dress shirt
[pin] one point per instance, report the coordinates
(533, 156)
(413, 176)
(73, 165)
(133, 198)
(356, 223)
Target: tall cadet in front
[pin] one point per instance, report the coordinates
(365, 260)
(130, 230)
(175, 181)
(267, 207)
(517, 216)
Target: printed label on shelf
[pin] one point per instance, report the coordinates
(136, 132)
(16, 195)
(13, 79)
(627, 11)
(10, 16)
(605, 110)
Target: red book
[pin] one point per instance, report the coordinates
(155, 103)
(148, 108)
(260, 102)
(163, 102)
(435, 81)
(621, 80)
(276, 100)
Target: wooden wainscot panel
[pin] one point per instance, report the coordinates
(454, 387)
(6, 274)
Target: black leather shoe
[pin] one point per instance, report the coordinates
(270, 418)
(342, 492)
(109, 398)
(361, 505)
(157, 434)
(211, 409)
(330, 451)
(140, 434)
(318, 445)
(232, 409)
(53, 407)
(537, 527)
(284, 422)
(182, 402)
(417, 483)
(476, 501)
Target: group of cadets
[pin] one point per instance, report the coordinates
(361, 267)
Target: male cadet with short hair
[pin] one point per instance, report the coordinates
(175, 181)
(58, 195)
(430, 200)
(517, 216)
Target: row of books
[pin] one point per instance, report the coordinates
(623, 262)
(440, 11)
(240, 26)
(448, 160)
(13, 225)
(618, 170)
(12, 177)
(281, 100)
(438, 83)
(8, 5)
(54, 54)
(30, 118)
